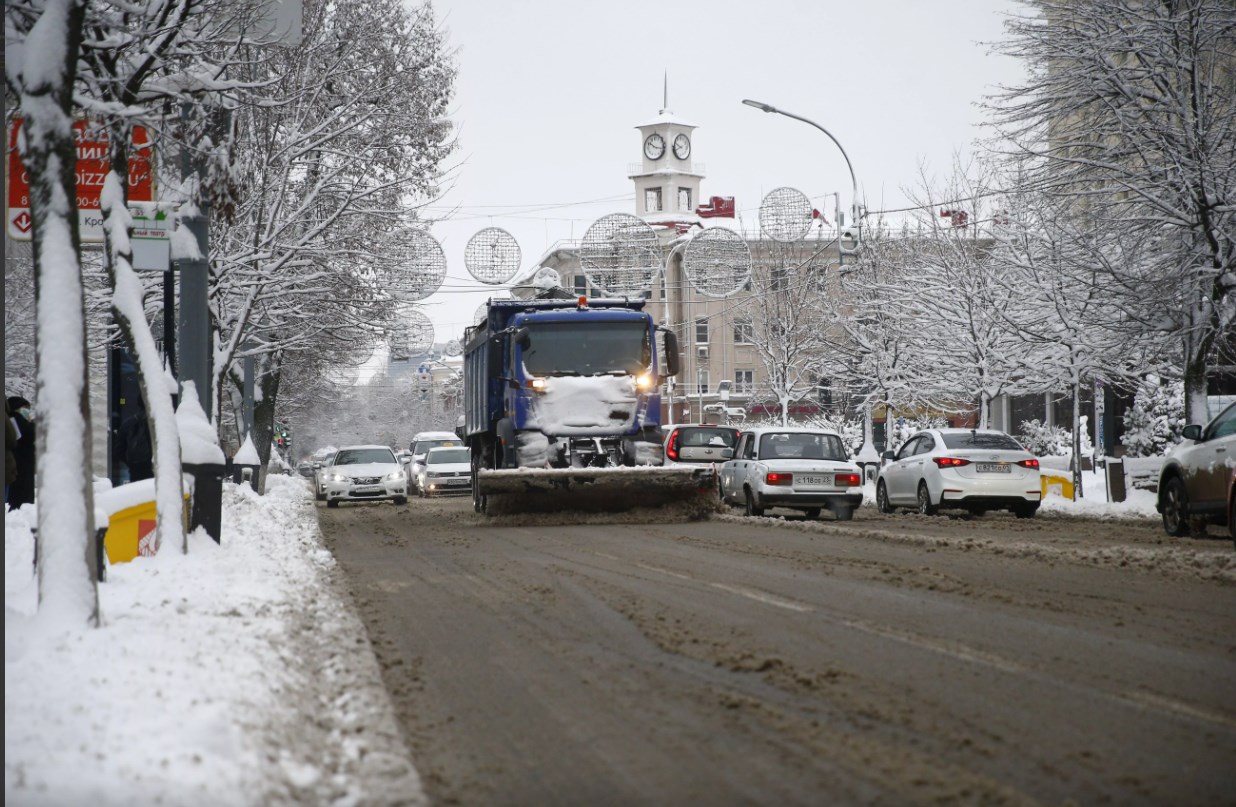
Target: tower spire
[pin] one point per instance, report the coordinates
(665, 94)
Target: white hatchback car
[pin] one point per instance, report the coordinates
(365, 473)
(970, 469)
(802, 469)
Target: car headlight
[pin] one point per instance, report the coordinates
(395, 476)
(337, 478)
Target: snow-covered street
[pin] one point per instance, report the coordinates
(240, 674)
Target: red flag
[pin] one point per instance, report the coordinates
(717, 207)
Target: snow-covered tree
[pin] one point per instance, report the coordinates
(787, 324)
(338, 144)
(1156, 419)
(41, 45)
(1129, 112)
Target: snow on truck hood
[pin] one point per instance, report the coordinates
(575, 404)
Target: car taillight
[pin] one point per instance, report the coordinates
(671, 449)
(779, 479)
(950, 462)
(1029, 463)
(847, 480)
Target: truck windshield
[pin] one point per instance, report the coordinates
(587, 348)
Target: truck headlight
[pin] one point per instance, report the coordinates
(645, 382)
(536, 384)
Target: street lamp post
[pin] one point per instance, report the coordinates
(867, 455)
(856, 210)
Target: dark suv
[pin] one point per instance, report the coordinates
(1197, 475)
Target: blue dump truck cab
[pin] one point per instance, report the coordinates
(566, 384)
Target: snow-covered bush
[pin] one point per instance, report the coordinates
(904, 428)
(850, 429)
(1156, 419)
(1042, 440)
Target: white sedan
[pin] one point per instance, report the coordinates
(971, 469)
(445, 471)
(796, 468)
(365, 473)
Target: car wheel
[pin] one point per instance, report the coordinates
(844, 513)
(1231, 516)
(882, 502)
(925, 507)
(1176, 508)
(401, 500)
(1025, 510)
(320, 496)
(332, 503)
(752, 510)
(812, 513)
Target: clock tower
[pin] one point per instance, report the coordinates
(667, 181)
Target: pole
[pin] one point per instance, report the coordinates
(856, 212)
(195, 282)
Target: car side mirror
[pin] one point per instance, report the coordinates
(1192, 432)
(889, 455)
(673, 360)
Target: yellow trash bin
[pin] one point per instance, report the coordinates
(1059, 485)
(132, 519)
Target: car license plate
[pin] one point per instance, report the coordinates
(814, 480)
(367, 489)
(992, 467)
(457, 481)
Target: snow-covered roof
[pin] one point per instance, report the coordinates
(667, 117)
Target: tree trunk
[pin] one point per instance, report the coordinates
(67, 563)
(129, 314)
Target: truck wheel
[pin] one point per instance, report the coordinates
(751, 509)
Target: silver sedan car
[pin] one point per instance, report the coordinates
(365, 473)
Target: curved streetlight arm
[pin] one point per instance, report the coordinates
(854, 208)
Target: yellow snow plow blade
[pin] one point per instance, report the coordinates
(548, 490)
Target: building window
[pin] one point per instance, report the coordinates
(684, 199)
(744, 381)
(652, 200)
(744, 332)
(779, 280)
(581, 285)
(701, 332)
(701, 378)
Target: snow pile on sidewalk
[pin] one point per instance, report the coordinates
(234, 675)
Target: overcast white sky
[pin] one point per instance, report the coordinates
(549, 93)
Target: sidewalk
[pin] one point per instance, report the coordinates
(238, 674)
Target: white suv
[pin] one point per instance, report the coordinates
(802, 469)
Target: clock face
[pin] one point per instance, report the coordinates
(654, 146)
(682, 147)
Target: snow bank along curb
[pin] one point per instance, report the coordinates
(234, 675)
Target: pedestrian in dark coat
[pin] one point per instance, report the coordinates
(21, 491)
(10, 450)
(135, 448)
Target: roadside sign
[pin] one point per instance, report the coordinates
(151, 238)
(92, 167)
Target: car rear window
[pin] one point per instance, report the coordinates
(719, 437)
(982, 440)
(781, 445)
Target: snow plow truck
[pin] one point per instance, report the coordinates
(562, 408)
